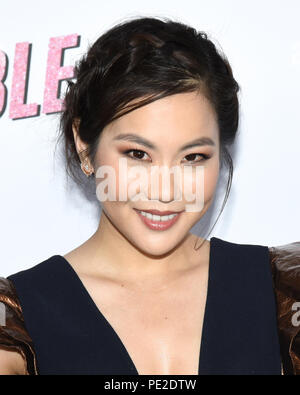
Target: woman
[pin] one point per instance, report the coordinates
(143, 295)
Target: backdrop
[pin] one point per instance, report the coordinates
(43, 213)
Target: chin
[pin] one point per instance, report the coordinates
(156, 246)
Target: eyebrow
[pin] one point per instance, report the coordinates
(141, 140)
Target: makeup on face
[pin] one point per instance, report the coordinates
(158, 222)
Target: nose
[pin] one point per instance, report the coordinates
(162, 185)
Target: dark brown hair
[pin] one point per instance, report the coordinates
(136, 62)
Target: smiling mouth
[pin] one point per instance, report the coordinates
(157, 222)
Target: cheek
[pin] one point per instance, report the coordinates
(113, 194)
(108, 162)
(204, 178)
(211, 176)
(119, 173)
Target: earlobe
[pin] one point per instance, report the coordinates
(81, 149)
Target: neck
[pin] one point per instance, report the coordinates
(107, 252)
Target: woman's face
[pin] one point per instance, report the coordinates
(161, 130)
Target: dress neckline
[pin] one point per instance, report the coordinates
(99, 315)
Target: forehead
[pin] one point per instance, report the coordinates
(181, 117)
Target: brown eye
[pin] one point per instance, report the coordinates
(137, 154)
(192, 157)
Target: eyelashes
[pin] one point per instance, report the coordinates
(204, 157)
(142, 153)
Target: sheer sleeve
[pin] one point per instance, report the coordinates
(285, 264)
(13, 333)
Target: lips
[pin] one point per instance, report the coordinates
(158, 225)
(161, 213)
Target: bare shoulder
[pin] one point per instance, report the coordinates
(11, 363)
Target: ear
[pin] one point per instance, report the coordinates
(80, 145)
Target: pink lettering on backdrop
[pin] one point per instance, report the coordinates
(56, 72)
(3, 90)
(18, 108)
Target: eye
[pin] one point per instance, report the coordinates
(137, 154)
(192, 157)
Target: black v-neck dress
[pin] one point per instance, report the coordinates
(71, 336)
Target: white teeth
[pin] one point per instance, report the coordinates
(158, 217)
